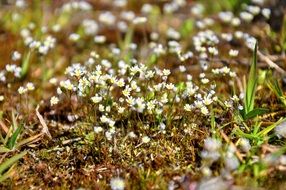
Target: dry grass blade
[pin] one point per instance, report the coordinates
(4, 127)
(30, 140)
(271, 63)
(45, 129)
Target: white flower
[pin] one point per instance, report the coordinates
(126, 91)
(96, 99)
(225, 16)
(255, 10)
(132, 135)
(164, 98)
(259, 2)
(204, 110)
(100, 39)
(170, 86)
(173, 34)
(231, 163)
(205, 80)
(140, 105)
(228, 104)
(121, 109)
(146, 8)
(134, 85)
(233, 53)
(117, 183)
(240, 107)
(130, 100)
(266, 12)
(162, 126)
(20, 3)
(74, 37)
(151, 105)
(280, 129)
(97, 129)
(235, 22)
(108, 135)
(90, 26)
(16, 56)
(166, 72)
(244, 144)
(213, 50)
(1, 98)
(54, 100)
(197, 9)
(188, 107)
(59, 91)
(104, 119)
(53, 81)
(140, 20)
(246, 16)
(107, 18)
(22, 90)
(67, 85)
(145, 139)
(212, 145)
(30, 86)
(101, 108)
(207, 100)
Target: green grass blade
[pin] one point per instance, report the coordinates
(251, 84)
(265, 131)
(12, 141)
(4, 149)
(5, 165)
(7, 174)
(25, 65)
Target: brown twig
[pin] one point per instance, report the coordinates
(271, 63)
(237, 153)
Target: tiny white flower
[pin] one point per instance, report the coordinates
(246, 16)
(266, 12)
(233, 53)
(54, 100)
(244, 144)
(188, 107)
(117, 184)
(280, 129)
(121, 109)
(204, 110)
(30, 86)
(205, 80)
(212, 145)
(145, 139)
(97, 129)
(22, 90)
(59, 91)
(53, 81)
(166, 72)
(140, 20)
(96, 99)
(16, 56)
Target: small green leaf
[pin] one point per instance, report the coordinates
(12, 140)
(255, 112)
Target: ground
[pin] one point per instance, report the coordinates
(127, 94)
